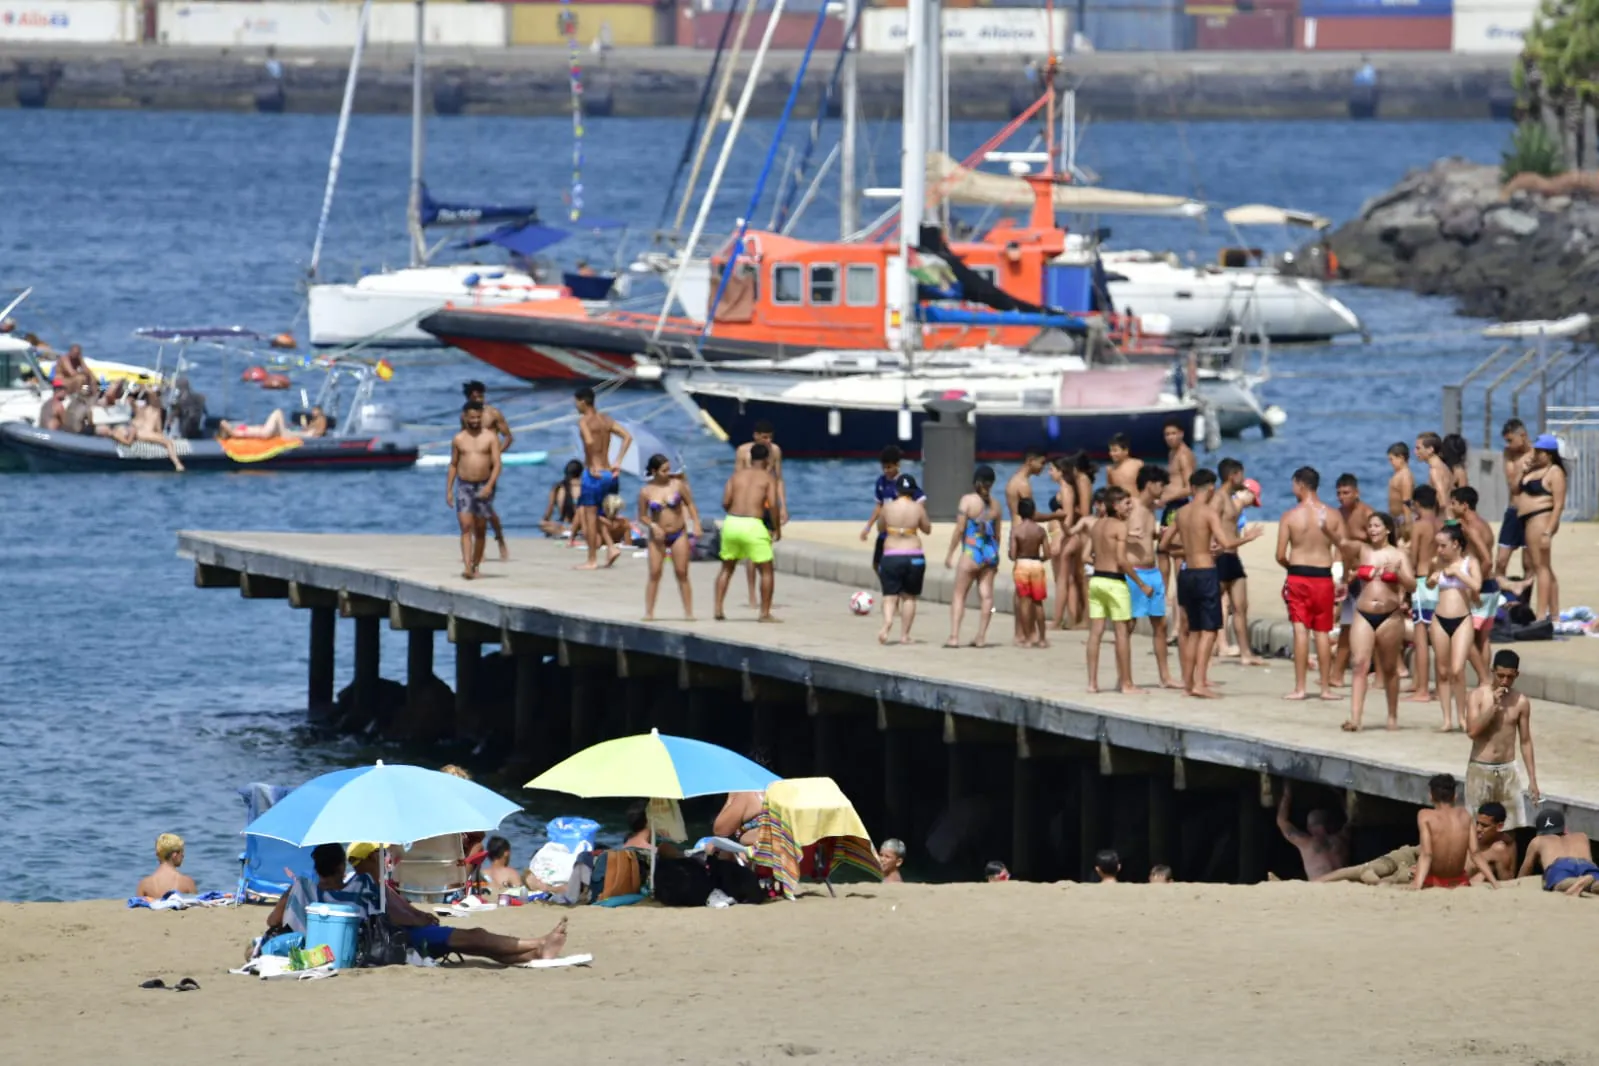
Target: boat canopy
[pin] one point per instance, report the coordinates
(965, 187)
(531, 238)
(1266, 215)
(442, 213)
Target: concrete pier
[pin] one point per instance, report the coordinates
(968, 755)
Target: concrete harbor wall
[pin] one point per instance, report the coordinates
(666, 82)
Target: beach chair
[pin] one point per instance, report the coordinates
(262, 863)
(433, 870)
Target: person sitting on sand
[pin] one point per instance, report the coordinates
(1107, 867)
(891, 856)
(1498, 847)
(1160, 874)
(277, 427)
(167, 877)
(500, 876)
(1565, 858)
(1395, 868)
(432, 940)
(1321, 851)
(1449, 853)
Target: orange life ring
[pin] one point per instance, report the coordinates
(275, 381)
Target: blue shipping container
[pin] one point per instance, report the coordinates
(1315, 9)
(1130, 29)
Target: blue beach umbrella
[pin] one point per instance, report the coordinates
(390, 804)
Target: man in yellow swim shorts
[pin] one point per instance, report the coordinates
(749, 492)
(1109, 597)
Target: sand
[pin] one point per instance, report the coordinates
(894, 973)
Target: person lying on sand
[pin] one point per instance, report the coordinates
(500, 876)
(167, 878)
(1395, 868)
(1566, 858)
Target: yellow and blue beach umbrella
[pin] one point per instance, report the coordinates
(653, 765)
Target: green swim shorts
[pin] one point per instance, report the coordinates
(746, 538)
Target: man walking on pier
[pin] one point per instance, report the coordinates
(749, 493)
(495, 423)
(469, 485)
(1307, 536)
(602, 476)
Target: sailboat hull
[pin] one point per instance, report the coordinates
(807, 431)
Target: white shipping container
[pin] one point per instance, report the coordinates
(449, 25)
(236, 25)
(1500, 29)
(71, 22)
(971, 31)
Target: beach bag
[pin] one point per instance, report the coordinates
(380, 943)
(681, 883)
(738, 881)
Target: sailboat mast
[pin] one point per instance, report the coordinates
(848, 198)
(919, 16)
(338, 141)
(418, 146)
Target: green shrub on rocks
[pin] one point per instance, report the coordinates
(1532, 151)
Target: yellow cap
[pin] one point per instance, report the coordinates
(359, 852)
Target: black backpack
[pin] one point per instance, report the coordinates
(380, 942)
(681, 883)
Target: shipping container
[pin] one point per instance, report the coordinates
(1382, 33)
(81, 22)
(1148, 28)
(703, 29)
(790, 7)
(621, 25)
(1344, 9)
(1499, 29)
(973, 32)
(1255, 31)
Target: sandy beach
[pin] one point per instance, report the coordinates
(884, 973)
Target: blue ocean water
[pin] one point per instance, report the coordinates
(132, 704)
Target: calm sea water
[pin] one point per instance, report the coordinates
(132, 704)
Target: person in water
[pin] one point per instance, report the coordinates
(903, 567)
(666, 510)
(976, 538)
(560, 510)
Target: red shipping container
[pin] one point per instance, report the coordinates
(1257, 31)
(702, 29)
(1374, 34)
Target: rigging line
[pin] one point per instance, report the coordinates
(715, 118)
(787, 189)
(699, 116)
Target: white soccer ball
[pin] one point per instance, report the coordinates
(861, 602)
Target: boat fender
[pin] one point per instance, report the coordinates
(253, 374)
(275, 381)
(471, 281)
(284, 341)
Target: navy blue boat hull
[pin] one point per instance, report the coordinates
(802, 430)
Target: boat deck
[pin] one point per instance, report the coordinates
(821, 645)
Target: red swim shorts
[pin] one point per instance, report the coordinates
(1310, 602)
(1032, 580)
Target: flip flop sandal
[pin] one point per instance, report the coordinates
(188, 984)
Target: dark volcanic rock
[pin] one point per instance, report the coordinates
(1447, 230)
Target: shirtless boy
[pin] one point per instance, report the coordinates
(1401, 487)
(1423, 601)
(1498, 848)
(1497, 716)
(1029, 552)
(1180, 466)
(1449, 855)
(1017, 489)
(1306, 536)
(1355, 513)
(1321, 851)
(469, 485)
(1515, 458)
(1566, 859)
(1198, 528)
(1234, 494)
(1142, 536)
(1123, 469)
(602, 476)
(1108, 590)
(749, 493)
(167, 877)
(776, 512)
(495, 423)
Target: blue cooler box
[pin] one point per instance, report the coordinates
(336, 925)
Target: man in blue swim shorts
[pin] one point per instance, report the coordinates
(601, 475)
(1566, 858)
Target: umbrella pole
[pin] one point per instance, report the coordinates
(655, 858)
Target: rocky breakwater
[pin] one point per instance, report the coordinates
(1525, 249)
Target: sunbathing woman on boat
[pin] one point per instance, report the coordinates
(277, 426)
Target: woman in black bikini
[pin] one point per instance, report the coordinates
(1386, 577)
(1540, 498)
(666, 508)
(1459, 585)
(562, 504)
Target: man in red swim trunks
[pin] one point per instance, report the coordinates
(1449, 854)
(1307, 542)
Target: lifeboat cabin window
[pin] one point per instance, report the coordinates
(860, 285)
(824, 284)
(987, 273)
(788, 284)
